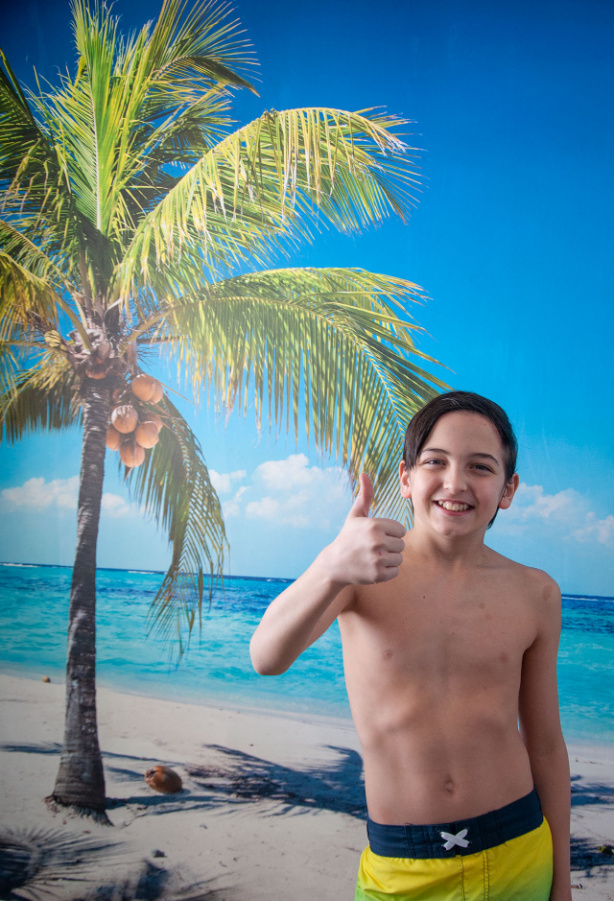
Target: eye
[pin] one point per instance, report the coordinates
(483, 467)
(433, 461)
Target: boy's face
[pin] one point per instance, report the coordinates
(458, 482)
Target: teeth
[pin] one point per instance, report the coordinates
(453, 507)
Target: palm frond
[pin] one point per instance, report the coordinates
(260, 188)
(24, 297)
(35, 192)
(9, 370)
(204, 46)
(143, 93)
(32, 256)
(41, 397)
(21, 136)
(173, 485)
(32, 287)
(330, 347)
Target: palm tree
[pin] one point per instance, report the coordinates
(135, 220)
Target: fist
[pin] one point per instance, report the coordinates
(366, 550)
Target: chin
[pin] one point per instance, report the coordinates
(453, 526)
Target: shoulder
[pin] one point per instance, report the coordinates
(544, 596)
(536, 580)
(536, 586)
(541, 587)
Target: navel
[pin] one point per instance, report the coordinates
(448, 786)
(388, 654)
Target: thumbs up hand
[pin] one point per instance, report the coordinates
(363, 499)
(366, 550)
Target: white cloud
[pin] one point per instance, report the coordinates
(36, 494)
(223, 482)
(601, 529)
(298, 495)
(267, 508)
(531, 503)
(232, 507)
(566, 514)
(62, 494)
(115, 506)
(288, 474)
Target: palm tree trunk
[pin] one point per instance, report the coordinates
(80, 779)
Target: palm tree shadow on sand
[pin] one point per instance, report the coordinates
(34, 862)
(234, 778)
(585, 855)
(47, 865)
(242, 778)
(585, 793)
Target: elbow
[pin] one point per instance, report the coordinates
(263, 664)
(266, 669)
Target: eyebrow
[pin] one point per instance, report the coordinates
(440, 450)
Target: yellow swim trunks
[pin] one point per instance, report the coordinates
(504, 855)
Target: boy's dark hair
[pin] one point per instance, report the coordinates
(424, 421)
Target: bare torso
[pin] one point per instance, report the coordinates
(433, 663)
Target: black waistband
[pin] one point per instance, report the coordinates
(460, 837)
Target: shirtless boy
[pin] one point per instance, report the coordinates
(450, 664)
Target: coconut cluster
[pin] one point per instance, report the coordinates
(133, 429)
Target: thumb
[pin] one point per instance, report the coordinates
(363, 498)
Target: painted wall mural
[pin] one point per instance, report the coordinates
(232, 268)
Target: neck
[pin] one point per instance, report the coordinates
(466, 551)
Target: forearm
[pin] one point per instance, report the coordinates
(552, 780)
(289, 623)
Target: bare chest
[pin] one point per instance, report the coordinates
(444, 634)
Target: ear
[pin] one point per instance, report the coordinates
(509, 492)
(405, 477)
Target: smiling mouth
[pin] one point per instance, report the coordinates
(453, 506)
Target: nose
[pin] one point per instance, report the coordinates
(455, 480)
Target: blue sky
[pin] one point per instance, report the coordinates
(512, 240)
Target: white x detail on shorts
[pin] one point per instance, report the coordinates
(458, 839)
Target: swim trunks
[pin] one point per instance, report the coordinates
(504, 855)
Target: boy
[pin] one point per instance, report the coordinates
(450, 664)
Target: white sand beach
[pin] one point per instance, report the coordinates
(272, 806)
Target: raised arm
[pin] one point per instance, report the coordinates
(541, 731)
(365, 551)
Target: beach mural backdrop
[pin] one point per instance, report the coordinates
(510, 238)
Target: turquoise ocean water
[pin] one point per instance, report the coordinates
(216, 667)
